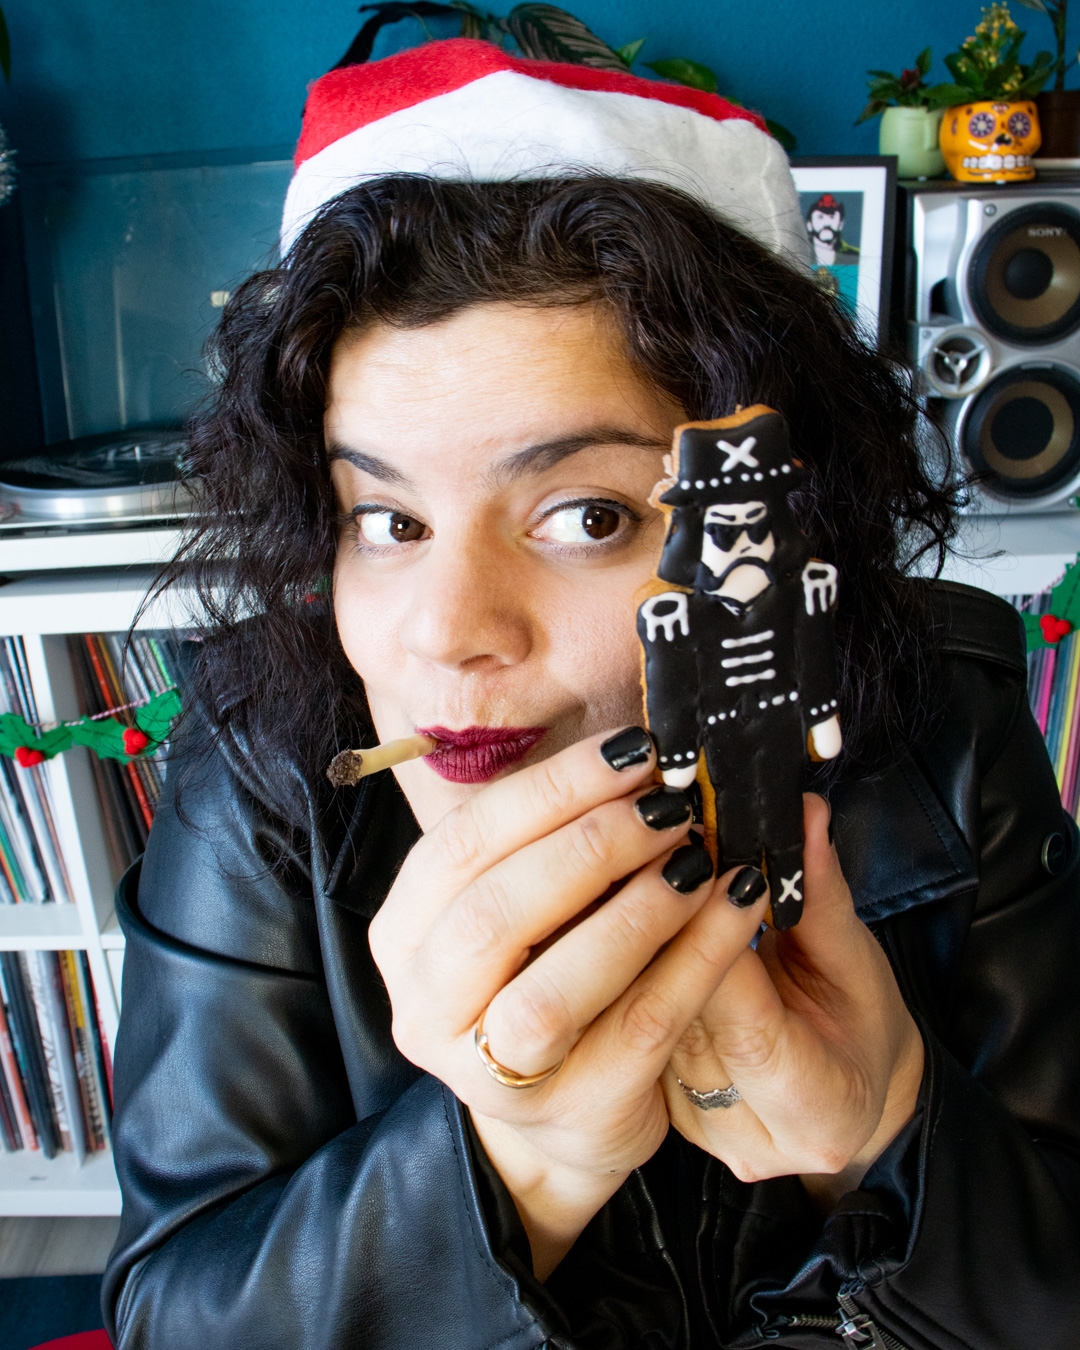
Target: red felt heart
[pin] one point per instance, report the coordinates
(1054, 629)
(27, 757)
(135, 741)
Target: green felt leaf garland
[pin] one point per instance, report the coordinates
(107, 737)
(1047, 630)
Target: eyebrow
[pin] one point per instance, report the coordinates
(532, 461)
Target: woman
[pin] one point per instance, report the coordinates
(455, 397)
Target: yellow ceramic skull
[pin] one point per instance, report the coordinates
(990, 142)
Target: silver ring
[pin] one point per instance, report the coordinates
(709, 1101)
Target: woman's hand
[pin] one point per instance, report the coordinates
(500, 914)
(812, 1030)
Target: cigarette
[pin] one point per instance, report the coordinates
(350, 766)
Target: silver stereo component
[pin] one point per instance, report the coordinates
(994, 333)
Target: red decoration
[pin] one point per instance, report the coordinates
(355, 96)
(27, 758)
(135, 741)
(1054, 629)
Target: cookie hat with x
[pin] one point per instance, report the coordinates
(463, 109)
(747, 455)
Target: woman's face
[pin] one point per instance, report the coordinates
(493, 472)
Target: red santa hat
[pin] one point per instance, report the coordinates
(463, 109)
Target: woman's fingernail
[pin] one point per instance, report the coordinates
(629, 747)
(747, 886)
(663, 808)
(688, 868)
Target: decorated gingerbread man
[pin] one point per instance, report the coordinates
(739, 658)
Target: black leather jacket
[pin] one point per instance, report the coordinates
(291, 1181)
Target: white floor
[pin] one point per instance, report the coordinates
(55, 1246)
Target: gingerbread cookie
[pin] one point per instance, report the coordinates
(737, 636)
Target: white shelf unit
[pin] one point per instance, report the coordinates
(43, 608)
(82, 583)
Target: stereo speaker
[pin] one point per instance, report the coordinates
(994, 333)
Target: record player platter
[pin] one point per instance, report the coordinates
(120, 477)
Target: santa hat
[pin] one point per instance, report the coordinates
(463, 109)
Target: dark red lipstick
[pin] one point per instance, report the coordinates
(476, 754)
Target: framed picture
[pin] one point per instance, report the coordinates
(848, 203)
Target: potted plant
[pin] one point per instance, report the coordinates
(1059, 108)
(911, 112)
(544, 32)
(990, 131)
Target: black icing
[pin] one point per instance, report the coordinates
(743, 682)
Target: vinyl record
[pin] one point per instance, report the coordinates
(1021, 433)
(1024, 277)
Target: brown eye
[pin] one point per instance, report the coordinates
(389, 527)
(599, 522)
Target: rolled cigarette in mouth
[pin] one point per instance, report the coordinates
(350, 766)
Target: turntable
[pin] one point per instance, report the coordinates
(111, 481)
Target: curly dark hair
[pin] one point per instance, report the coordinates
(708, 315)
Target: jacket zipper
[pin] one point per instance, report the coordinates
(858, 1330)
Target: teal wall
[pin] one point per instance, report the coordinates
(95, 78)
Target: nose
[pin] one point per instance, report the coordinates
(468, 611)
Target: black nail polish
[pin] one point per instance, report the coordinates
(786, 915)
(688, 868)
(627, 748)
(663, 808)
(748, 885)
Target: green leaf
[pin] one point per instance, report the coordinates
(1033, 632)
(922, 61)
(780, 133)
(628, 53)
(5, 48)
(873, 109)
(683, 71)
(105, 737)
(156, 717)
(548, 33)
(947, 95)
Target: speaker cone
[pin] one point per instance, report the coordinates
(1022, 432)
(1025, 275)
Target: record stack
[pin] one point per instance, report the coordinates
(112, 671)
(1053, 690)
(55, 1072)
(32, 868)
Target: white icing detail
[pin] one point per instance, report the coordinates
(714, 482)
(729, 662)
(746, 641)
(700, 483)
(750, 679)
(764, 703)
(772, 473)
(738, 454)
(727, 478)
(790, 889)
(758, 477)
(819, 587)
(712, 720)
(813, 712)
(793, 695)
(663, 759)
(679, 614)
(778, 700)
(745, 477)
(685, 483)
(785, 468)
(676, 757)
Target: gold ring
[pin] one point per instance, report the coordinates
(501, 1074)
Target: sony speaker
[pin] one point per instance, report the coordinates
(993, 300)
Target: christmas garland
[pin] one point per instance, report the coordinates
(1047, 630)
(106, 735)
